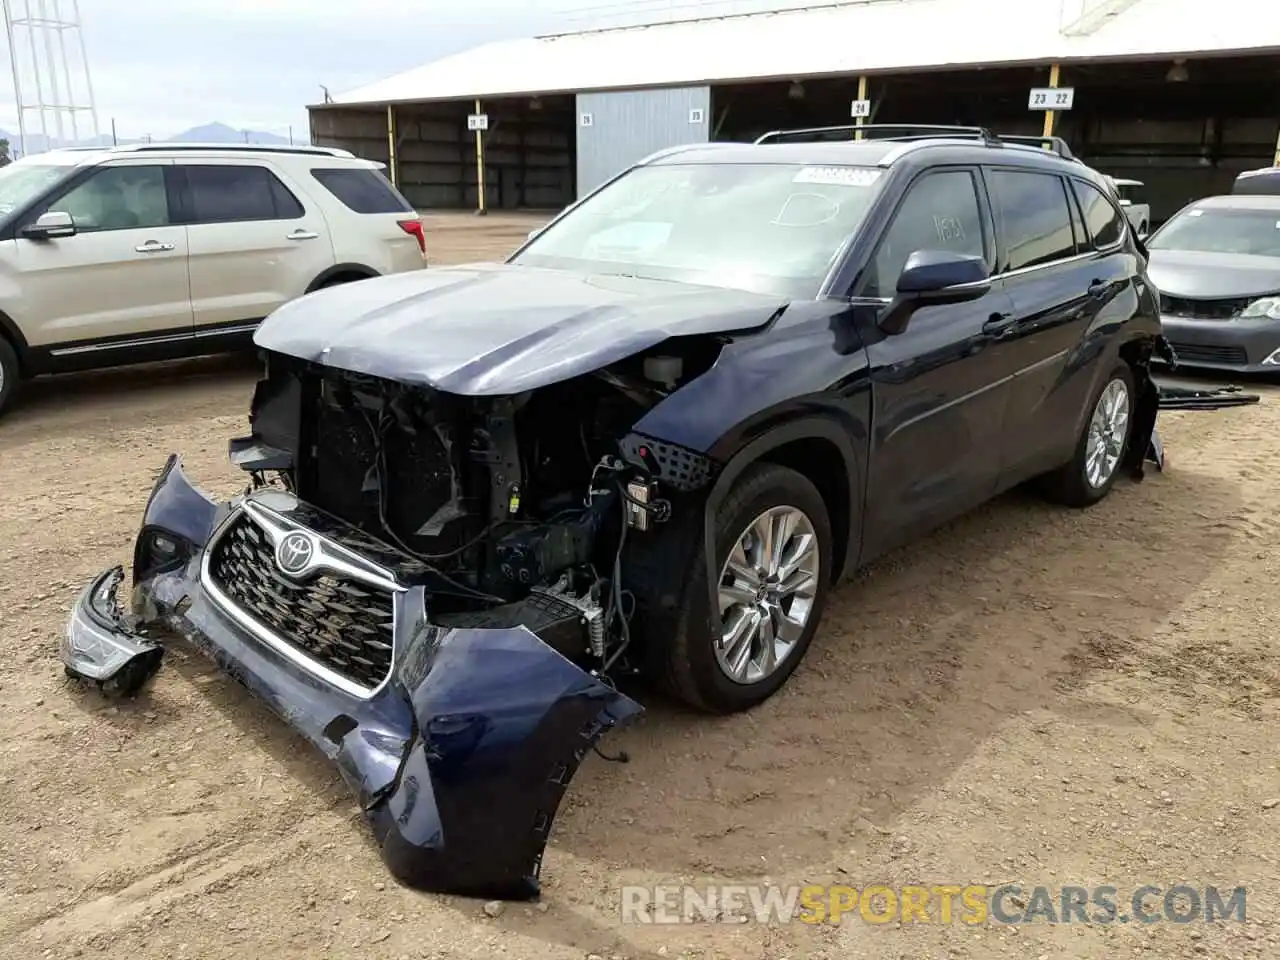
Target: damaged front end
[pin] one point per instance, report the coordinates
(427, 587)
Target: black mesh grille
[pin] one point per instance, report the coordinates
(1198, 353)
(1202, 309)
(339, 622)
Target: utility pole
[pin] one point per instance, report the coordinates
(115, 141)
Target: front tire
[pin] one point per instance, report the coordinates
(774, 551)
(1102, 445)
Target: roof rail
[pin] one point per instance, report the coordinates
(906, 131)
(1053, 144)
(305, 149)
(917, 131)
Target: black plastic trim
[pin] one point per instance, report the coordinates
(340, 268)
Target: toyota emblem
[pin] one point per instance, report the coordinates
(294, 553)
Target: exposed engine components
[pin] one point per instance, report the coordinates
(641, 496)
(538, 554)
(664, 370)
(588, 607)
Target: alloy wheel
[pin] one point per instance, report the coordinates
(1108, 429)
(766, 591)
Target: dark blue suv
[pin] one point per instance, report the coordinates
(651, 441)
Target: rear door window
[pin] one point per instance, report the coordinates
(237, 193)
(362, 190)
(1033, 218)
(1105, 222)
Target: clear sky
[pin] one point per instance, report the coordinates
(162, 66)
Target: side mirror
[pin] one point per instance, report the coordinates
(932, 278)
(50, 226)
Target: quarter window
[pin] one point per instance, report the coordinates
(939, 212)
(362, 191)
(233, 193)
(1105, 222)
(1033, 218)
(128, 197)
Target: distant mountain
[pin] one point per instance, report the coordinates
(221, 133)
(207, 133)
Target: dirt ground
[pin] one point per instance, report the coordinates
(1031, 695)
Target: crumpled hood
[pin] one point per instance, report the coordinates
(1208, 276)
(493, 329)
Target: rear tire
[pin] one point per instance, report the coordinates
(767, 503)
(1101, 446)
(9, 375)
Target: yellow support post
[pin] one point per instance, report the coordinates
(862, 95)
(393, 165)
(1050, 115)
(480, 198)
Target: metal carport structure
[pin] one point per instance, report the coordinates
(1170, 90)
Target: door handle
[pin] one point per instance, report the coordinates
(1098, 289)
(153, 246)
(998, 323)
(301, 234)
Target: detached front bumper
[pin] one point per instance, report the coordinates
(460, 757)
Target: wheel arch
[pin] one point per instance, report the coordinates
(9, 331)
(821, 451)
(342, 273)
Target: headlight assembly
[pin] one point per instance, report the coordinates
(1266, 308)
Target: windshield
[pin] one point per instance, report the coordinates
(770, 228)
(20, 183)
(1255, 232)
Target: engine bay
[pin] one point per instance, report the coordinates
(516, 509)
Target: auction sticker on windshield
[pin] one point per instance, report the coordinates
(838, 176)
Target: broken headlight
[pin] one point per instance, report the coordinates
(159, 551)
(100, 644)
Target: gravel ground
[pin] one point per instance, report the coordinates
(1030, 694)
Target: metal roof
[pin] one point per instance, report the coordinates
(865, 36)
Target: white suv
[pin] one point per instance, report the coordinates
(155, 251)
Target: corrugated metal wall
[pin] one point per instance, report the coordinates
(617, 129)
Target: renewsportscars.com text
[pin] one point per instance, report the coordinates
(971, 904)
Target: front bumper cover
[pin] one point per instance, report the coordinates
(460, 760)
(1235, 346)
